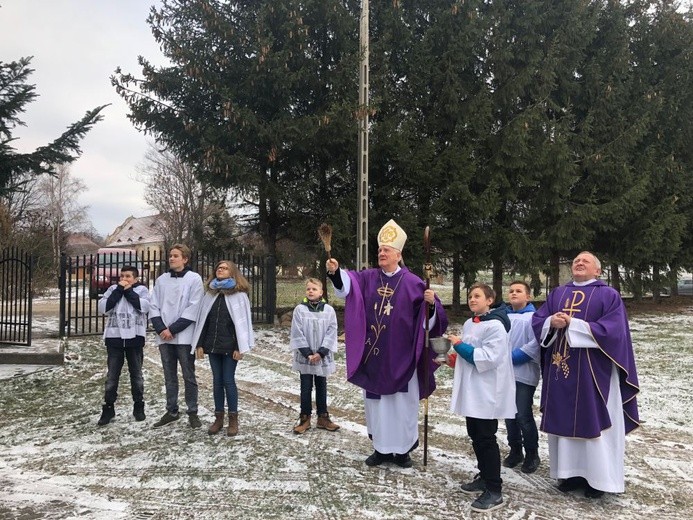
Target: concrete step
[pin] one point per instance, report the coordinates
(44, 352)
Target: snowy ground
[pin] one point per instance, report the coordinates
(55, 462)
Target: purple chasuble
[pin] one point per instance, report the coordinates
(384, 326)
(575, 381)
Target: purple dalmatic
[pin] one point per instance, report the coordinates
(384, 327)
(575, 385)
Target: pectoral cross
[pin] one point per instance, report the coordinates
(387, 308)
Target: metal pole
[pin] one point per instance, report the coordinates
(362, 177)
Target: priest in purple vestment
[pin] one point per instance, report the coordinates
(590, 383)
(384, 323)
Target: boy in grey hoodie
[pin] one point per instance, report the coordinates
(126, 304)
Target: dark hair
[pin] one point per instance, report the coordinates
(132, 269)
(522, 282)
(485, 288)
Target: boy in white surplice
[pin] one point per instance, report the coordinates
(314, 342)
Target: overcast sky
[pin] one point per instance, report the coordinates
(76, 45)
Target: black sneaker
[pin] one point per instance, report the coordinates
(194, 420)
(403, 460)
(165, 419)
(488, 501)
(477, 485)
(107, 413)
(376, 458)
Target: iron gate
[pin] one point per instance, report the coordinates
(83, 279)
(15, 297)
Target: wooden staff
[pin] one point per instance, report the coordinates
(427, 358)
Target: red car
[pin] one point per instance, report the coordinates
(106, 266)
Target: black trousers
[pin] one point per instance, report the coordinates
(483, 435)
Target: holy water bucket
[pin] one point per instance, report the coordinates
(440, 346)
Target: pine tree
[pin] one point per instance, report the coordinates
(659, 235)
(534, 49)
(18, 168)
(254, 94)
(426, 124)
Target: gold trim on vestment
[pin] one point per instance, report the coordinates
(559, 358)
(386, 294)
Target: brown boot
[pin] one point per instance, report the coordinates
(218, 423)
(303, 424)
(325, 423)
(232, 430)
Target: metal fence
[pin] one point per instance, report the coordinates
(15, 297)
(84, 279)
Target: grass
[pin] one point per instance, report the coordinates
(55, 463)
(290, 292)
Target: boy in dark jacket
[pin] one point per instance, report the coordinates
(126, 304)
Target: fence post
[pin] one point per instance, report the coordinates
(62, 286)
(29, 291)
(271, 292)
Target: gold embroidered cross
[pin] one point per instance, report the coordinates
(561, 353)
(571, 307)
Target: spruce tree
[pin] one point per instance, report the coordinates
(252, 94)
(17, 168)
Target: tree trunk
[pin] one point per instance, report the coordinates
(656, 284)
(498, 276)
(672, 279)
(456, 270)
(554, 271)
(637, 286)
(615, 277)
(535, 283)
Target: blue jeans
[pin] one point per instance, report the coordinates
(522, 431)
(224, 381)
(116, 359)
(171, 355)
(307, 394)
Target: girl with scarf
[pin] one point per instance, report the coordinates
(224, 331)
